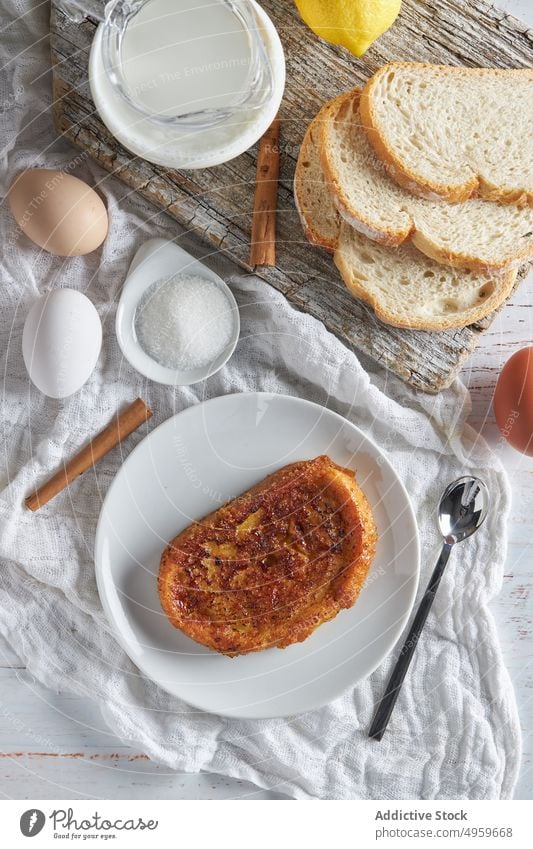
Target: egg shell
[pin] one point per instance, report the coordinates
(58, 212)
(513, 401)
(61, 342)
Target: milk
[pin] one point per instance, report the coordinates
(181, 56)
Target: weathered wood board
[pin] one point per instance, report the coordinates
(216, 203)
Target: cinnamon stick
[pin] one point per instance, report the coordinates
(118, 429)
(263, 246)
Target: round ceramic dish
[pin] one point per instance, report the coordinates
(175, 146)
(155, 260)
(190, 465)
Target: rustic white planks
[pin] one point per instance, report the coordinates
(513, 609)
(54, 746)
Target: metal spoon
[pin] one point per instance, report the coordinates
(462, 510)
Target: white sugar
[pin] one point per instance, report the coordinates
(184, 322)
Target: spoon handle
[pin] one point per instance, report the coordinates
(386, 705)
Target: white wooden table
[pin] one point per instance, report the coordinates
(56, 746)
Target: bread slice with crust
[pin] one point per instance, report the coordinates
(407, 289)
(452, 132)
(404, 287)
(474, 234)
(314, 201)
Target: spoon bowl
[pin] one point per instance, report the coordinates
(463, 508)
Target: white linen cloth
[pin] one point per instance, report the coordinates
(454, 733)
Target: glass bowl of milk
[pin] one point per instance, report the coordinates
(184, 83)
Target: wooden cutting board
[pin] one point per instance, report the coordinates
(216, 203)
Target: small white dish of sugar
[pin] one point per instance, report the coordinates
(177, 321)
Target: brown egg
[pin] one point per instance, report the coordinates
(513, 401)
(58, 212)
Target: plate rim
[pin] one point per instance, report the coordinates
(395, 632)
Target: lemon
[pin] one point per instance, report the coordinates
(354, 24)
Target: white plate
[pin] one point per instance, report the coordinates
(196, 461)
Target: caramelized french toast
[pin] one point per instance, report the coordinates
(273, 564)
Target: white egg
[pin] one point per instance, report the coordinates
(61, 342)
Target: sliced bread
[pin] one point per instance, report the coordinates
(404, 287)
(407, 289)
(454, 132)
(314, 202)
(474, 234)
